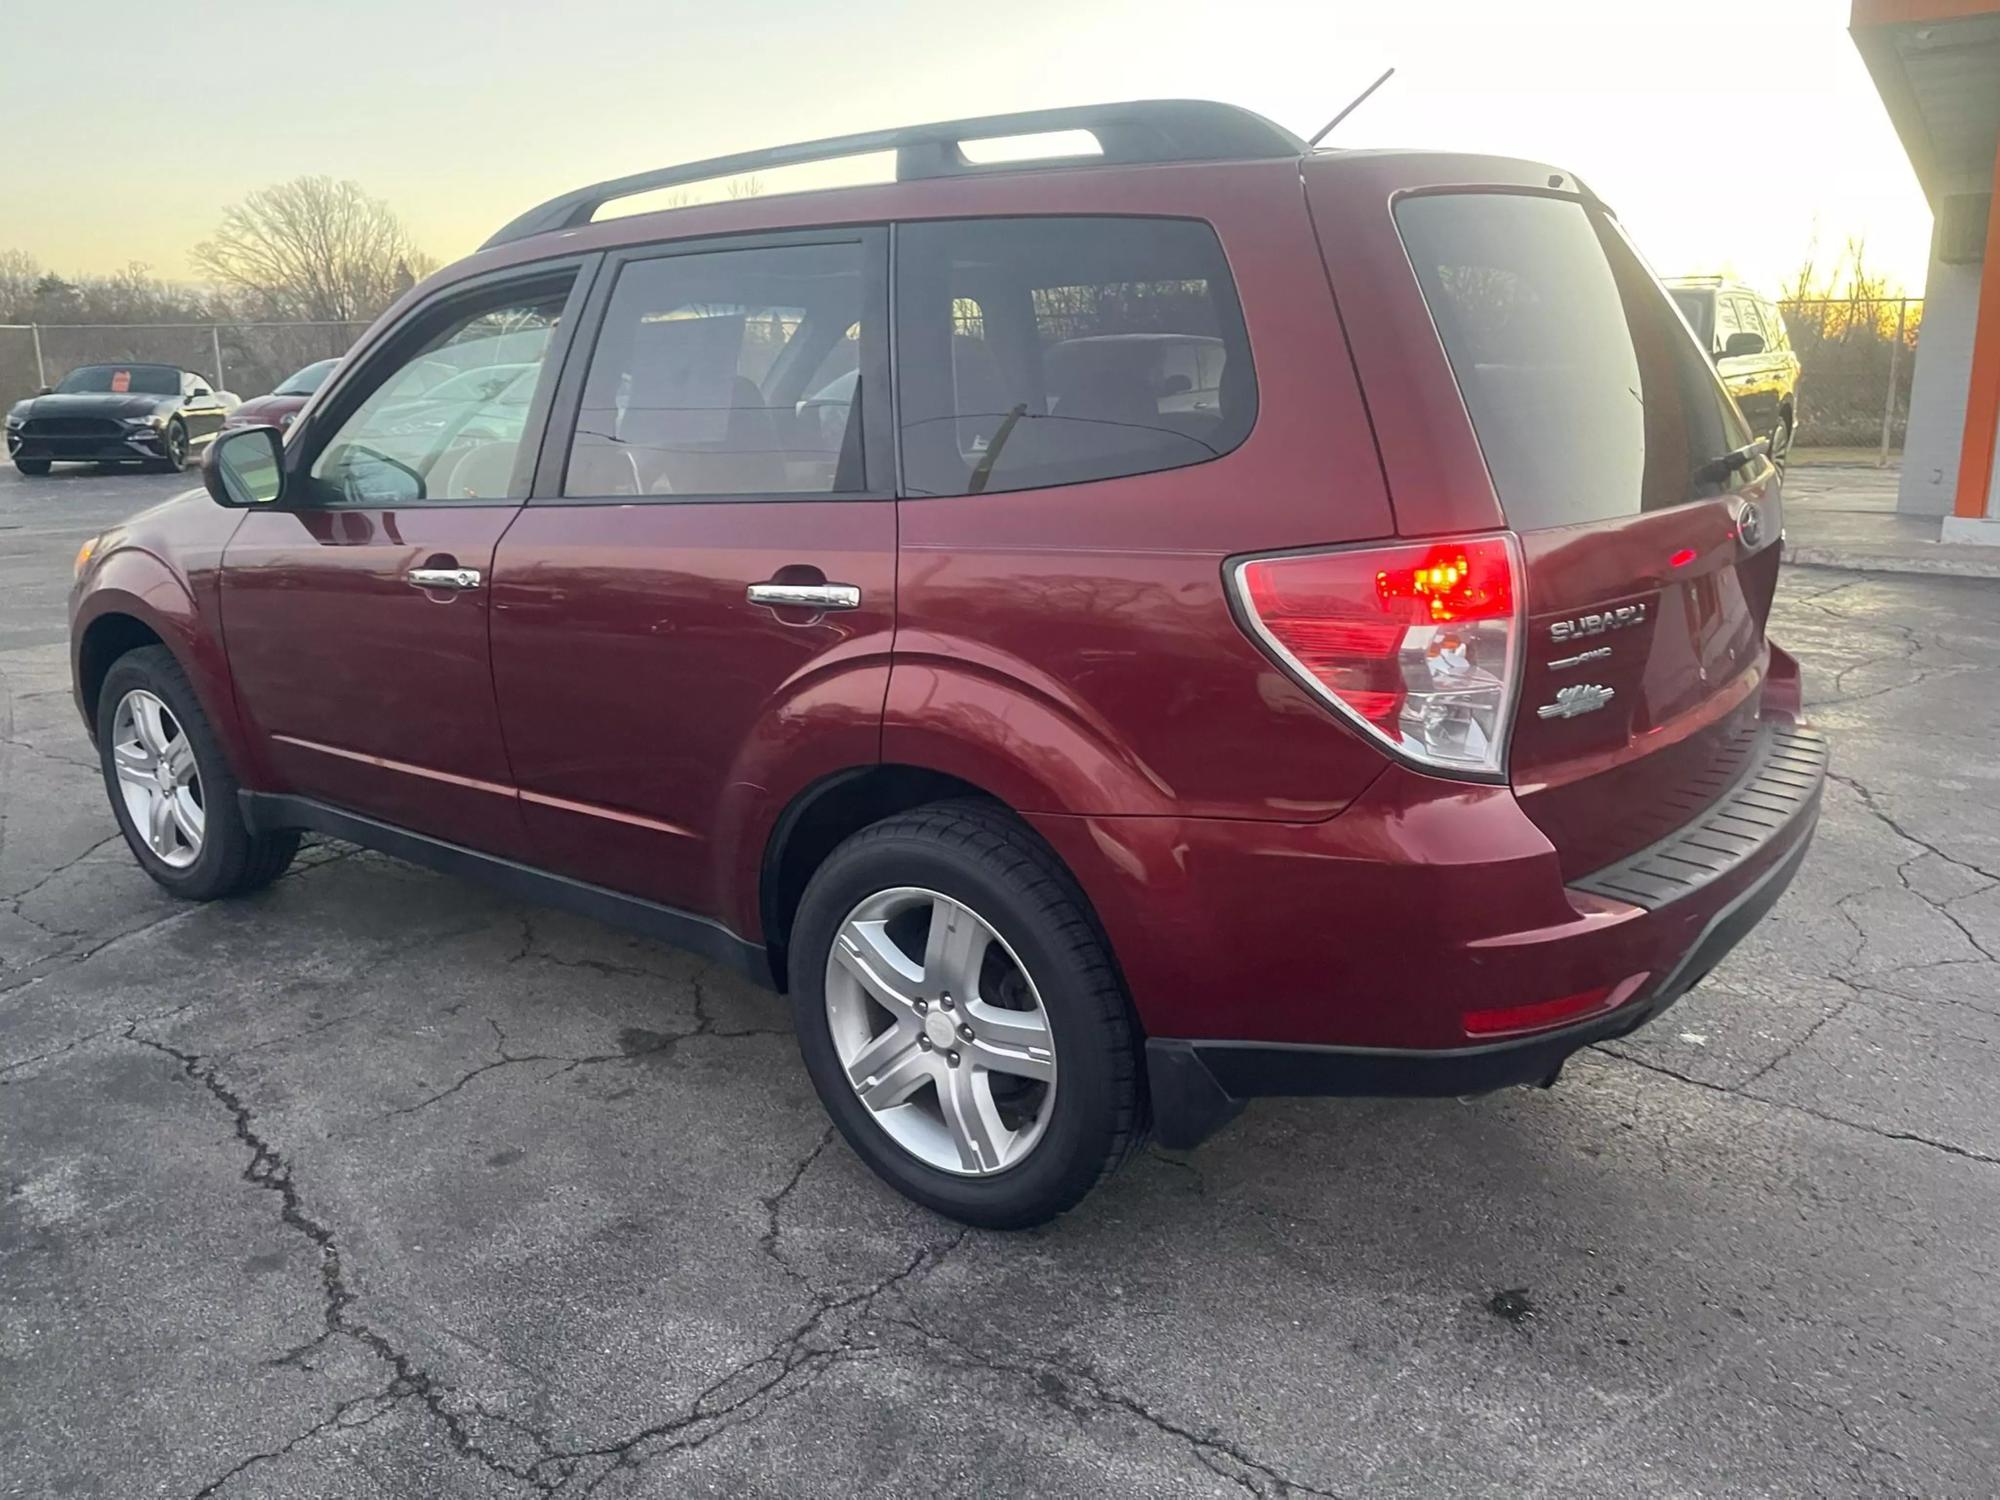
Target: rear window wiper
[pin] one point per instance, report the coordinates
(1718, 470)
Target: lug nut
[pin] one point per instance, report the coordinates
(922, 1006)
(945, 1002)
(964, 1032)
(923, 1044)
(952, 1058)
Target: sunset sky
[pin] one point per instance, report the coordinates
(1727, 135)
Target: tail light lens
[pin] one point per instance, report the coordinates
(1419, 644)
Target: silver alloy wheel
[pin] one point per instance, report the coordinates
(157, 777)
(941, 1031)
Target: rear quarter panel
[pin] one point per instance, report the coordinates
(1071, 649)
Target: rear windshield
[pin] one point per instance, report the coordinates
(1589, 397)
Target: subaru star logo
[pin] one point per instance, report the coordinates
(1578, 698)
(1750, 524)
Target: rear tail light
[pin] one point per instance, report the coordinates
(1419, 644)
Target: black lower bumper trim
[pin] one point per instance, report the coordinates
(86, 450)
(266, 812)
(1199, 1086)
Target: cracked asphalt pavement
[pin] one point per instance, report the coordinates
(378, 1184)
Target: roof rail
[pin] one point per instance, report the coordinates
(1144, 130)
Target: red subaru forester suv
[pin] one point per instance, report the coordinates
(1110, 636)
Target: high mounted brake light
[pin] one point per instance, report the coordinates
(1418, 644)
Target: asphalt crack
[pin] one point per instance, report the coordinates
(1080, 1389)
(381, 1402)
(268, 1169)
(749, 1389)
(1766, 1100)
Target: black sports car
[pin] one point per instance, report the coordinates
(152, 414)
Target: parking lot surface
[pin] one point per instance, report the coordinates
(378, 1184)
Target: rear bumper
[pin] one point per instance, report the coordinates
(1423, 942)
(1198, 1086)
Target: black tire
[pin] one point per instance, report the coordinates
(980, 856)
(32, 468)
(232, 861)
(173, 448)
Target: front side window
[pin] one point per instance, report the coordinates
(1588, 398)
(727, 372)
(1050, 351)
(450, 420)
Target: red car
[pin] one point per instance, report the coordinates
(1363, 689)
(282, 406)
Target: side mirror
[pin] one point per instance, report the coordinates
(1741, 344)
(47, 390)
(245, 467)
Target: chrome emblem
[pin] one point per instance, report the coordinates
(1598, 623)
(1564, 663)
(1750, 524)
(1577, 698)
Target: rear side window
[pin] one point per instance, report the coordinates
(729, 372)
(1049, 351)
(1589, 398)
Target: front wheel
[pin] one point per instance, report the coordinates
(173, 448)
(1781, 440)
(32, 468)
(171, 788)
(961, 1019)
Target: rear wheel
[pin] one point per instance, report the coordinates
(171, 789)
(960, 1017)
(32, 468)
(1781, 439)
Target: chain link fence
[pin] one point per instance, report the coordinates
(247, 358)
(1856, 355)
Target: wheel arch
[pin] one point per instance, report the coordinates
(815, 822)
(134, 599)
(101, 643)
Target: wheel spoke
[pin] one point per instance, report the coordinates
(180, 759)
(1022, 1063)
(973, 1119)
(135, 767)
(160, 824)
(187, 816)
(864, 950)
(146, 722)
(891, 1068)
(954, 951)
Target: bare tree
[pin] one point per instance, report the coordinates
(313, 248)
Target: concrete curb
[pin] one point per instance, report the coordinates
(1917, 567)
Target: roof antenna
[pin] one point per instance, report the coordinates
(1356, 103)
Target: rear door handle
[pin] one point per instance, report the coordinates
(806, 595)
(443, 578)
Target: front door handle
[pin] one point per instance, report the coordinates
(443, 578)
(806, 595)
